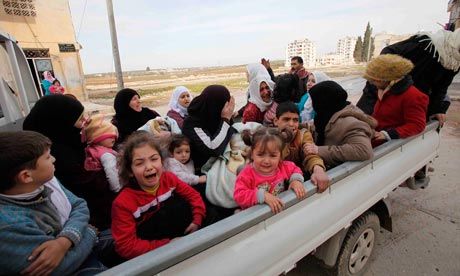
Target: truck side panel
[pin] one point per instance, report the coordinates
(255, 242)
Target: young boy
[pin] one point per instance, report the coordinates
(43, 227)
(287, 117)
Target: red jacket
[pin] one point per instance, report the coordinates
(402, 110)
(131, 208)
(252, 114)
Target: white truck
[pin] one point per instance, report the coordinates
(338, 226)
(17, 89)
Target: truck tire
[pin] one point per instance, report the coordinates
(358, 245)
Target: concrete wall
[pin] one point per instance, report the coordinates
(51, 25)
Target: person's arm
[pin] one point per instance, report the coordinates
(109, 163)
(191, 196)
(368, 99)
(414, 112)
(212, 145)
(355, 144)
(180, 170)
(127, 244)
(309, 160)
(246, 193)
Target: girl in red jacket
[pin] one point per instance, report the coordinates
(154, 207)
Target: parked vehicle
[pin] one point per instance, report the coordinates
(338, 226)
(17, 90)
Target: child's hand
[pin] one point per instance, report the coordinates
(320, 178)
(191, 228)
(310, 149)
(47, 256)
(298, 189)
(202, 179)
(275, 203)
(94, 228)
(175, 239)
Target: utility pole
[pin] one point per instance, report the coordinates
(116, 53)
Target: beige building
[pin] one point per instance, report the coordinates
(45, 32)
(305, 49)
(329, 60)
(346, 48)
(383, 39)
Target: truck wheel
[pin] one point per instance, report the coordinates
(358, 245)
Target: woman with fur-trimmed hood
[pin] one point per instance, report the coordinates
(343, 131)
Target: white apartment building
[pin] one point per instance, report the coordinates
(305, 49)
(329, 60)
(345, 49)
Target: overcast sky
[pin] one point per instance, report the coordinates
(185, 33)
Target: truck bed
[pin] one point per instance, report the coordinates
(257, 242)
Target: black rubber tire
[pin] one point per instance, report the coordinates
(358, 246)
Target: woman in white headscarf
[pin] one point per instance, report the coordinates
(47, 82)
(305, 106)
(260, 99)
(180, 100)
(254, 70)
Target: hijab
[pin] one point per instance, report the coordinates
(254, 92)
(447, 44)
(50, 78)
(327, 97)
(174, 102)
(55, 116)
(256, 69)
(206, 108)
(320, 76)
(127, 119)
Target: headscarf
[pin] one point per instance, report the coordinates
(447, 44)
(327, 97)
(50, 78)
(256, 69)
(127, 119)
(55, 116)
(320, 76)
(254, 92)
(174, 102)
(287, 88)
(207, 107)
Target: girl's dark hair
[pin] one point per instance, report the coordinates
(136, 140)
(177, 140)
(262, 136)
(56, 80)
(288, 87)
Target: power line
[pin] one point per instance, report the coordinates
(82, 17)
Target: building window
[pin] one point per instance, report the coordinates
(19, 7)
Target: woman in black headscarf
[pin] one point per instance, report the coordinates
(343, 131)
(60, 118)
(208, 124)
(129, 113)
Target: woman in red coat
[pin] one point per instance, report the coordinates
(400, 108)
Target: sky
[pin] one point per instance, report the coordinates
(191, 33)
